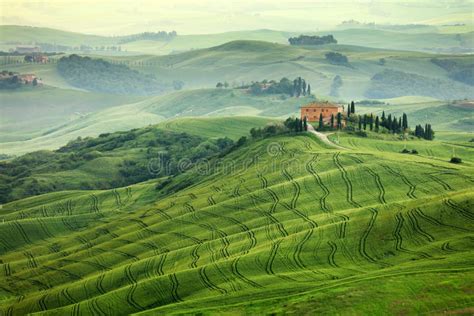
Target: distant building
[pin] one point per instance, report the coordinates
(27, 49)
(27, 78)
(313, 110)
(36, 58)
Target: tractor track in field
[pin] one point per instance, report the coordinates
(270, 217)
(464, 213)
(174, 287)
(322, 199)
(399, 239)
(346, 180)
(68, 225)
(271, 257)
(207, 282)
(240, 276)
(243, 227)
(69, 207)
(411, 186)
(211, 201)
(445, 247)
(44, 228)
(22, 232)
(343, 226)
(64, 292)
(299, 247)
(44, 211)
(275, 199)
(436, 222)
(133, 286)
(76, 309)
(296, 187)
(94, 307)
(363, 240)
(42, 302)
(99, 285)
(195, 256)
(7, 269)
(412, 216)
(118, 200)
(263, 180)
(442, 183)
(228, 281)
(332, 253)
(161, 263)
(379, 185)
(95, 203)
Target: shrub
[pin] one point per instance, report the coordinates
(456, 160)
(405, 151)
(414, 151)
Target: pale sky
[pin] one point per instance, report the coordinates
(121, 17)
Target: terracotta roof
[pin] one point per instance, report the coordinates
(320, 105)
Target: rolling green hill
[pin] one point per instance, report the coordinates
(280, 225)
(187, 104)
(246, 61)
(430, 39)
(35, 111)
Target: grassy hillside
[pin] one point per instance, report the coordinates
(292, 227)
(34, 111)
(186, 103)
(246, 61)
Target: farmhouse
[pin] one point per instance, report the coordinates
(313, 110)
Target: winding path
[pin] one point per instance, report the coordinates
(323, 137)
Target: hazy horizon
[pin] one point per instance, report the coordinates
(204, 17)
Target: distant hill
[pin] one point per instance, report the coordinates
(429, 39)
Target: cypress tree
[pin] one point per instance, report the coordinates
(360, 122)
(348, 110)
(321, 123)
(383, 119)
(405, 122)
(309, 89)
(332, 120)
(365, 122)
(304, 87)
(352, 107)
(399, 127)
(305, 124)
(339, 120)
(297, 125)
(371, 122)
(377, 124)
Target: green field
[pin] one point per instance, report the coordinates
(280, 225)
(32, 112)
(57, 116)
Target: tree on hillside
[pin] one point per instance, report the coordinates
(219, 85)
(336, 84)
(365, 122)
(339, 120)
(377, 124)
(321, 123)
(349, 110)
(308, 92)
(305, 124)
(371, 122)
(352, 107)
(405, 122)
(304, 87)
(332, 120)
(359, 120)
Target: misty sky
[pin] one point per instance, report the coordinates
(121, 17)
